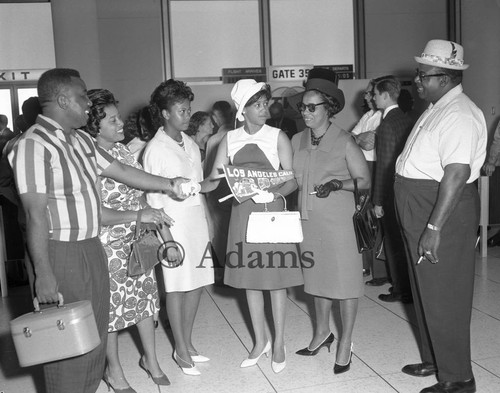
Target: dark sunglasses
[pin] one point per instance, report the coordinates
(310, 107)
(422, 75)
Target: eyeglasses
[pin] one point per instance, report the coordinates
(310, 107)
(422, 75)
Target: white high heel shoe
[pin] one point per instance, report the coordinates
(197, 358)
(252, 362)
(279, 367)
(191, 370)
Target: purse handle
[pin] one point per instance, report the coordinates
(284, 200)
(360, 201)
(356, 191)
(138, 222)
(139, 225)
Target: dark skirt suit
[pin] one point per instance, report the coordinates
(336, 269)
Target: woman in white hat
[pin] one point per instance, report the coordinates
(250, 266)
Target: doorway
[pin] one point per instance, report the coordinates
(12, 96)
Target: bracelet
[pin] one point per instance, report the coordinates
(433, 227)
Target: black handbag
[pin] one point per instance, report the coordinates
(364, 220)
(144, 249)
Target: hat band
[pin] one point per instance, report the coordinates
(442, 60)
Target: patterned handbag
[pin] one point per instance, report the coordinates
(274, 227)
(144, 250)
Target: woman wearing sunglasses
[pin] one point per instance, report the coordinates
(326, 159)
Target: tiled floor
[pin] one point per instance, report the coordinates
(383, 342)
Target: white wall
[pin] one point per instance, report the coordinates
(482, 52)
(27, 39)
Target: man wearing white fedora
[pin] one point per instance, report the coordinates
(438, 208)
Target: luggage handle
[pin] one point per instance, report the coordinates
(60, 302)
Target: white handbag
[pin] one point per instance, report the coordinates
(274, 227)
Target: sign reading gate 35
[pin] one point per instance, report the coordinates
(288, 73)
(300, 72)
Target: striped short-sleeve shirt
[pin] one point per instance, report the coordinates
(65, 168)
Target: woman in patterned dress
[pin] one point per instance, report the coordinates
(134, 300)
(257, 145)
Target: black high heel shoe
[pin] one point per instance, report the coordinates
(327, 342)
(161, 380)
(128, 389)
(339, 369)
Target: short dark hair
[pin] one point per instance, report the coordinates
(225, 109)
(101, 98)
(165, 96)
(53, 81)
(388, 84)
(145, 127)
(31, 109)
(196, 120)
(454, 75)
(265, 92)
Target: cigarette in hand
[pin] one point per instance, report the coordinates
(313, 193)
(420, 260)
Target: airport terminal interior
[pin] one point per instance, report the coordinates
(129, 46)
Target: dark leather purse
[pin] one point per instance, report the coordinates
(144, 249)
(365, 222)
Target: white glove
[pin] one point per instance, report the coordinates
(190, 188)
(263, 197)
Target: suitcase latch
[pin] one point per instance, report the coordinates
(27, 332)
(60, 324)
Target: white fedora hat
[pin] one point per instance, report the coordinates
(443, 54)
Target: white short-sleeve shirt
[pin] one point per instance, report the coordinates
(452, 131)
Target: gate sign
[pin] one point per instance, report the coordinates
(288, 73)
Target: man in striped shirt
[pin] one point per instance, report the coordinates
(56, 169)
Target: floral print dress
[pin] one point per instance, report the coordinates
(132, 299)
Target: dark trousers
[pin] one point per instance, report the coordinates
(442, 292)
(395, 253)
(81, 270)
(377, 266)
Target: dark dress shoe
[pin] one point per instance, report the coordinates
(376, 282)
(395, 297)
(339, 368)
(420, 369)
(452, 387)
(327, 342)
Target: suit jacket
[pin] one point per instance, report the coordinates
(390, 141)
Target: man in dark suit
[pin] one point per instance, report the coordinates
(391, 137)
